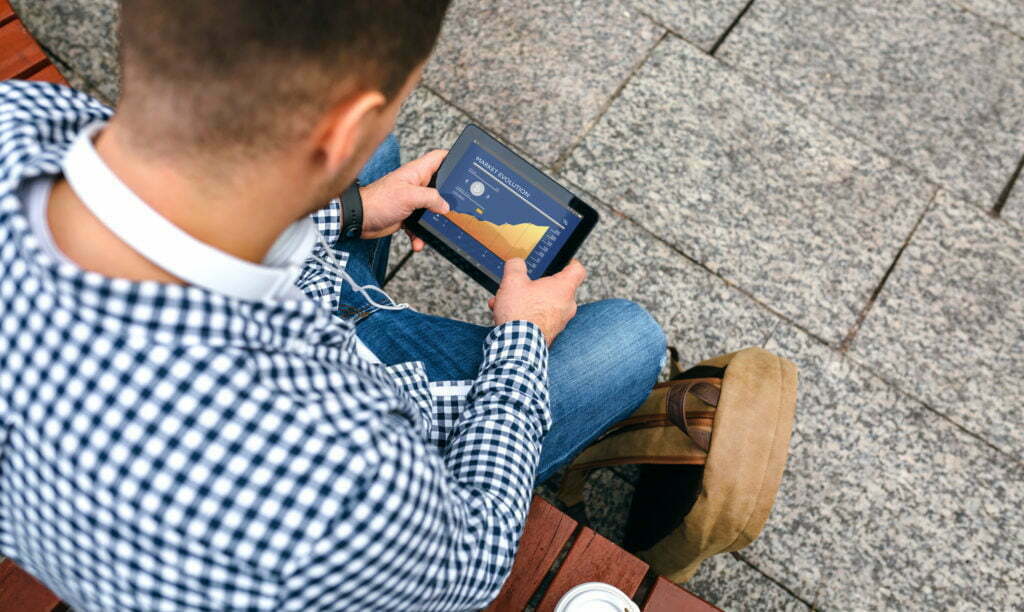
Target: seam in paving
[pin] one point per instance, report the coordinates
(673, 247)
(473, 118)
(779, 91)
(732, 26)
(665, 26)
(70, 74)
(673, 31)
(1004, 196)
(898, 388)
(772, 579)
(866, 368)
(771, 333)
(985, 18)
(556, 166)
(844, 346)
(728, 282)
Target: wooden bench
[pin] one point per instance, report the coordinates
(556, 554)
(20, 592)
(20, 55)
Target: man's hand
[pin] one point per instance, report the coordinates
(389, 201)
(548, 302)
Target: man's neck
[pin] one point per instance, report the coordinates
(242, 217)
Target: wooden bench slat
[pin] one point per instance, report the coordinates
(547, 530)
(665, 596)
(50, 74)
(593, 558)
(6, 12)
(20, 592)
(19, 53)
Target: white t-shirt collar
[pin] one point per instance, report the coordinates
(171, 248)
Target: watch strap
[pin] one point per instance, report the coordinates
(351, 212)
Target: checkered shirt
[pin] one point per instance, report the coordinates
(165, 447)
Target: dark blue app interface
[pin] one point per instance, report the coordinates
(497, 215)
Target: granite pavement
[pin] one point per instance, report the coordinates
(702, 23)
(80, 35)
(924, 81)
(822, 186)
(782, 204)
(949, 327)
(1006, 13)
(580, 52)
(886, 503)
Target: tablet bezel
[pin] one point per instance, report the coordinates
(588, 215)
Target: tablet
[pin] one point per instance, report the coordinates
(501, 207)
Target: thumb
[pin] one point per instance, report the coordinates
(573, 273)
(429, 198)
(426, 166)
(515, 271)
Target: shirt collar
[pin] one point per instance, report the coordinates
(171, 248)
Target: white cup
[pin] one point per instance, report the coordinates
(595, 597)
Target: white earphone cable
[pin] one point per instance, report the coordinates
(340, 270)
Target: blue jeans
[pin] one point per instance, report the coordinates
(600, 369)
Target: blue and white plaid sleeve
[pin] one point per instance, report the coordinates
(430, 531)
(328, 221)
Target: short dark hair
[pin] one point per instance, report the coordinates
(243, 72)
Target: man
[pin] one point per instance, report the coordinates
(207, 401)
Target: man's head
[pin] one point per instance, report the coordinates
(240, 79)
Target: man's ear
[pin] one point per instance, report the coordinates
(348, 123)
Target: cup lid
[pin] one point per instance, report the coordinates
(595, 597)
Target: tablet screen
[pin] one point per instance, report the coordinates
(497, 214)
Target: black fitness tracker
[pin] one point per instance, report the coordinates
(351, 212)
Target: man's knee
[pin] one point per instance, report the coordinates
(631, 325)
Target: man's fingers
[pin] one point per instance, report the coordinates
(426, 166)
(429, 198)
(490, 303)
(574, 273)
(515, 271)
(515, 266)
(417, 243)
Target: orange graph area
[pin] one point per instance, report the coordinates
(506, 241)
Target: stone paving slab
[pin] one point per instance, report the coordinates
(426, 122)
(578, 55)
(949, 325)
(885, 504)
(607, 498)
(801, 215)
(81, 34)
(701, 315)
(733, 585)
(1007, 13)
(701, 22)
(924, 81)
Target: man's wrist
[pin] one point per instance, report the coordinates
(520, 338)
(352, 212)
